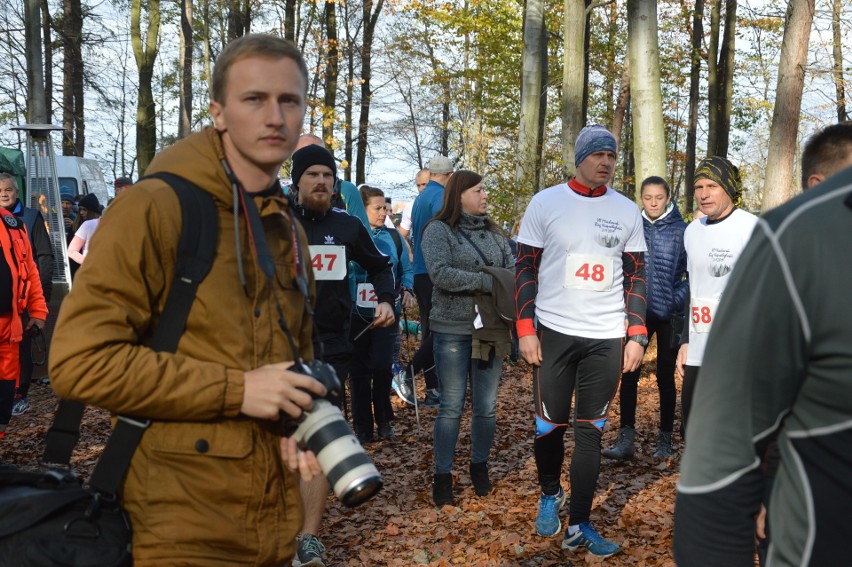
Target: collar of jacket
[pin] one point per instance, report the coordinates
(581, 189)
(473, 222)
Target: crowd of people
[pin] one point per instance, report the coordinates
(318, 271)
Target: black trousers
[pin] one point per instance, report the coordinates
(690, 377)
(370, 375)
(26, 359)
(424, 358)
(588, 369)
(628, 393)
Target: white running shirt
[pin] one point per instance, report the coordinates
(581, 277)
(712, 251)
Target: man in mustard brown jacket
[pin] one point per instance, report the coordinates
(211, 481)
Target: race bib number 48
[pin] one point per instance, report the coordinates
(703, 313)
(586, 271)
(328, 262)
(366, 296)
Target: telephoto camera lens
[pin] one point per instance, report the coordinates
(349, 470)
(323, 430)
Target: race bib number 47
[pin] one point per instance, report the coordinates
(328, 262)
(587, 271)
(703, 313)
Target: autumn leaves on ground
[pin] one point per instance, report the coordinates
(400, 527)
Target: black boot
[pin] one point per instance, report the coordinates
(479, 476)
(623, 448)
(442, 489)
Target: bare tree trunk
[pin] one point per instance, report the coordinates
(208, 56)
(542, 109)
(783, 134)
(145, 53)
(290, 20)
(36, 106)
(621, 105)
(331, 70)
(349, 143)
(713, 78)
(186, 43)
(573, 78)
(694, 84)
(48, 61)
(73, 140)
(370, 19)
(531, 82)
(239, 18)
(643, 47)
(726, 75)
(839, 83)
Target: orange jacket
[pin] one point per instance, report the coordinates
(26, 285)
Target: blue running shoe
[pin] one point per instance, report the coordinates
(547, 522)
(403, 387)
(587, 537)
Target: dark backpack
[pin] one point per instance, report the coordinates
(50, 518)
(195, 254)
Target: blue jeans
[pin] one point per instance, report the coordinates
(455, 367)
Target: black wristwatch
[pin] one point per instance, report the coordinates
(641, 339)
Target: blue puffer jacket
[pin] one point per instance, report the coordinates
(665, 264)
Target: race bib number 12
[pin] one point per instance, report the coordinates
(328, 262)
(366, 296)
(703, 313)
(586, 271)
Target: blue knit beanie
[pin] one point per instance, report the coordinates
(593, 138)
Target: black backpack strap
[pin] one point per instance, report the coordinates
(195, 255)
(397, 239)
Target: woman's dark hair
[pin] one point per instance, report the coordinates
(460, 182)
(367, 192)
(656, 180)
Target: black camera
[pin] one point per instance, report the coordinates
(323, 430)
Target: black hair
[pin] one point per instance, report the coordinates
(826, 150)
(656, 180)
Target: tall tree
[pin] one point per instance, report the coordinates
(331, 72)
(185, 86)
(239, 18)
(779, 185)
(649, 151)
(573, 77)
(370, 18)
(73, 142)
(290, 20)
(145, 52)
(531, 81)
(36, 105)
(721, 77)
(48, 61)
(694, 84)
(837, 44)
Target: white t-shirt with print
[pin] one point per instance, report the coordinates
(86, 230)
(581, 277)
(712, 251)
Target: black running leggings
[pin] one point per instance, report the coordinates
(592, 367)
(665, 381)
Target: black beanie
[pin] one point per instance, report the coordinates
(308, 156)
(91, 203)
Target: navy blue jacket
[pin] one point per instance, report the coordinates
(665, 265)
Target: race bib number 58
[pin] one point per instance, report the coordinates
(328, 262)
(703, 314)
(587, 271)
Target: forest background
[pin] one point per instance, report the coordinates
(500, 86)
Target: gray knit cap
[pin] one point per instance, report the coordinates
(593, 138)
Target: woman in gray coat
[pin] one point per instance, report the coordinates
(457, 244)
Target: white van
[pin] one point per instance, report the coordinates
(82, 176)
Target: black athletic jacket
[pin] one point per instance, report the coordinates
(334, 305)
(778, 362)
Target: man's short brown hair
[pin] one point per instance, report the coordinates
(253, 45)
(826, 150)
